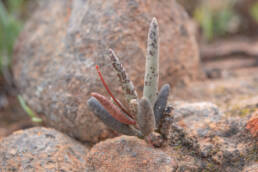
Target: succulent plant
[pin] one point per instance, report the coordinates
(144, 114)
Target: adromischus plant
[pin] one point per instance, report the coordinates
(144, 114)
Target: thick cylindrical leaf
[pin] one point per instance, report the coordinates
(161, 103)
(108, 120)
(145, 117)
(113, 110)
(151, 78)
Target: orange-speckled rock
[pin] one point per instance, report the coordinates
(252, 124)
(60, 45)
(41, 149)
(127, 153)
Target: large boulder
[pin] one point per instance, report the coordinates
(55, 56)
(41, 149)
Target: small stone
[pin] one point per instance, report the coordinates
(154, 139)
(41, 149)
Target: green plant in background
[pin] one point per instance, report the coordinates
(218, 20)
(144, 115)
(254, 11)
(10, 26)
(28, 110)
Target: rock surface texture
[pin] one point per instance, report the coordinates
(129, 154)
(216, 142)
(197, 137)
(55, 56)
(41, 149)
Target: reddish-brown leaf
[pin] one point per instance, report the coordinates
(110, 93)
(113, 109)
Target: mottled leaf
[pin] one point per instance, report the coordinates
(127, 85)
(151, 77)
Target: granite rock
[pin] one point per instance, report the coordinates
(41, 149)
(207, 135)
(56, 53)
(127, 153)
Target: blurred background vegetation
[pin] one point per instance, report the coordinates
(224, 18)
(215, 19)
(10, 26)
(13, 14)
